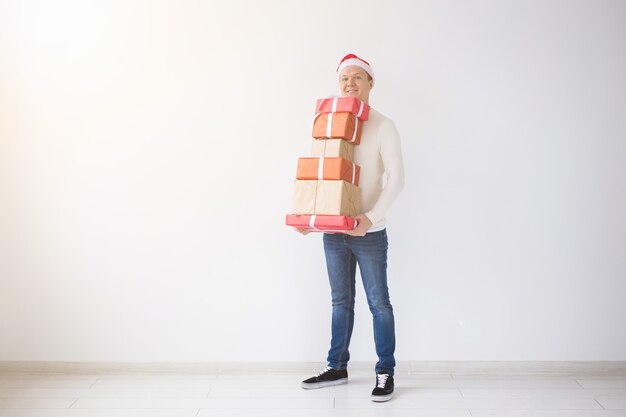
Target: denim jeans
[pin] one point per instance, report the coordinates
(343, 252)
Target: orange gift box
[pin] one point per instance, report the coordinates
(343, 104)
(321, 223)
(328, 169)
(337, 126)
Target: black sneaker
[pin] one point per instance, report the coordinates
(384, 388)
(327, 378)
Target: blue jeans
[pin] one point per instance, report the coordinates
(343, 253)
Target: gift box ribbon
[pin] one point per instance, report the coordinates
(312, 222)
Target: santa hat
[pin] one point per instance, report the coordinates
(352, 59)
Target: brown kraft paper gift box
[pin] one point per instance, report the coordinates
(331, 148)
(326, 197)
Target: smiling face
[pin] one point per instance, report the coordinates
(355, 82)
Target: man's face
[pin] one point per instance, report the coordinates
(355, 82)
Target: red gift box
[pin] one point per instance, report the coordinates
(321, 222)
(343, 104)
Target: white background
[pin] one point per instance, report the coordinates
(147, 157)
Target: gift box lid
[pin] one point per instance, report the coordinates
(343, 104)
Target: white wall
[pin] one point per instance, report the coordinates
(148, 149)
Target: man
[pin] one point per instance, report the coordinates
(379, 155)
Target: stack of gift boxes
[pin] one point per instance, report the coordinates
(326, 193)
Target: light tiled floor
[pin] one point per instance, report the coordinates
(263, 390)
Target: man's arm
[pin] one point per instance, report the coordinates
(391, 154)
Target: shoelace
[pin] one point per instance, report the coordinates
(328, 368)
(382, 379)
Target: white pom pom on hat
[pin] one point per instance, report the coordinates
(352, 59)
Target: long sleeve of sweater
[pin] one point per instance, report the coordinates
(382, 168)
(391, 154)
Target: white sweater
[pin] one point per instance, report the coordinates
(379, 155)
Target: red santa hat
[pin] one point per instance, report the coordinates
(352, 59)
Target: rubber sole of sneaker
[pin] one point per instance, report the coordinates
(316, 385)
(381, 398)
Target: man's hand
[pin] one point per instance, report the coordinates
(302, 231)
(363, 225)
